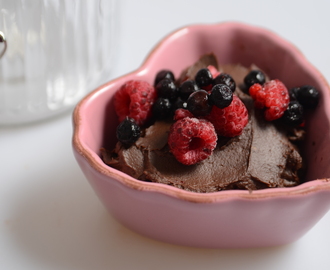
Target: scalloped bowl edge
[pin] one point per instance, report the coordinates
(226, 219)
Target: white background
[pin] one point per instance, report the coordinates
(51, 219)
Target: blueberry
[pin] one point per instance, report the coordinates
(128, 131)
(293, 115)
(221, 96)
(204, 77)
(293, 92)
(162, 108)
(308, 96)
(254, 76)
(187, 88)
(198, 103)
(165, 73)
(179, 104)
(167, 89)
(226, 79)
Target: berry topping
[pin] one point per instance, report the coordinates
(167, 89)
(213, 71)
(293, 115)
(308, 96)
(134, 99)
(187, 88)
(293, 93)
(273, 96)
(226, 79)
(221, 96)
(230, 121)
(179, 104)
(182, 113)
(192, 140)
(165, 73)
(128, 131)
(204, 78)
(198, 103)
(254, 76)
(162, 108)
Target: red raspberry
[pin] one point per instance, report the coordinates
(229, 121)
(273, 96)
(134, 99)
(192, 140)
(182, 113)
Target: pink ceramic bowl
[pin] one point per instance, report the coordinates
(226, 219)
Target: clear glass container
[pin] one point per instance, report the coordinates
(55, 51)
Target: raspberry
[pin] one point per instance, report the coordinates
(229, 121)
(134, 99)
(273, 96)
(182, 113)
(192, 140)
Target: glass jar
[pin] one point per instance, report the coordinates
(55, 51)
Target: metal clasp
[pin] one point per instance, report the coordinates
(4, 41)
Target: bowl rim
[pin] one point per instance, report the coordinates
(314, 186)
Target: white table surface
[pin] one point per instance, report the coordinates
(51, 219)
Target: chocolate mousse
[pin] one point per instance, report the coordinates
(265, 155)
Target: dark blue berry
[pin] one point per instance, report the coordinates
(179, 104)
(198, 103)
(254, 76)
(221, 96)
(308, 96)
(166, 88)
(204, 77)
(293, 92)
(187, 88)
(165, 73)
(162, 108)
(293, 115)
(226, 79)
(128, 131)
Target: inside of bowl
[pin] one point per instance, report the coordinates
(231, 43)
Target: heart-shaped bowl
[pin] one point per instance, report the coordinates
(225, 219)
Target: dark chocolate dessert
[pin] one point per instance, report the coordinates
(264, 155)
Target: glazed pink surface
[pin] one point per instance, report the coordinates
(226, 219)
